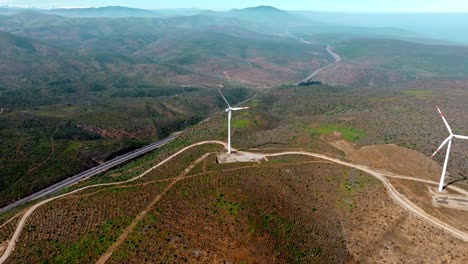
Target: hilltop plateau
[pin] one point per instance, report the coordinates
(341, 170)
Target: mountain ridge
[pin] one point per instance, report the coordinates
(107, 11)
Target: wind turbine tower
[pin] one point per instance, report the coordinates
(449, 141)
(229, 111)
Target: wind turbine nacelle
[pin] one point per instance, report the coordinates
(448, 141)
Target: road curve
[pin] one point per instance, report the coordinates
(19, 228)
(455, 188)
(335, 56)
(100, 168)
(394, 194)
(89, 173)
(129, 229)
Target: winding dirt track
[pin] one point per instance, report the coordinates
(30, 211)
(103, 259)
(380, 175)
(394, 194)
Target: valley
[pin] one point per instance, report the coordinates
(113, 139)
(335, 56)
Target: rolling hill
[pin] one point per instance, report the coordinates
(247, 56)
(272, 19)
(290, 208)
(391, 61)
(64, 108)
(79, 87)
(108, 11)
(96, 67)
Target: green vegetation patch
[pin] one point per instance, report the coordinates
(240, 123)
(298, 256)
(255, 103)
(278, 225)
(231, 208)
(353, 182)
(96, 242)
(421, 94)
(286, 229)
(348, 133)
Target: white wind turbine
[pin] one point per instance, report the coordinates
(449, 141)
(229, 111)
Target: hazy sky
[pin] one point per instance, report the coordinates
(314, 5)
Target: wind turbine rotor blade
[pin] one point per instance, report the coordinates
(445, 121)
(441, 146)
(239, 108)
(460, 137)
(224, 98)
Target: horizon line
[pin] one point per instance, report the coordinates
(224, 10)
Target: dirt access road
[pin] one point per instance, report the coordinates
(394, 194)
(12, 242)
(88, 173)
(380, 175)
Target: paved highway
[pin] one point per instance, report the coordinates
(335, 56)
(381, 175)
(98, 169)
(89, 173)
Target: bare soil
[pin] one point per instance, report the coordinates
(286, 210)
(404, 161)
(390, 157)
(459, 202)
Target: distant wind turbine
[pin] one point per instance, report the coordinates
(449, 141)
(229, 111)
